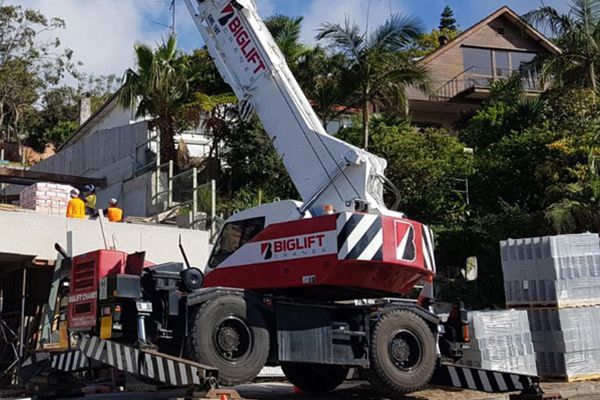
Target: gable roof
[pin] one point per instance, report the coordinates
(504, 11)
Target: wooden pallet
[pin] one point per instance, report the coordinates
(567, 378)
(554, 306)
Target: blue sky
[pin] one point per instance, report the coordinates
(102, 32)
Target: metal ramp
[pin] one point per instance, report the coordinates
(160, 368)
(462, 377)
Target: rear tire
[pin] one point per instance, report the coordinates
(230, 335)
(403, 356)
(315, 378)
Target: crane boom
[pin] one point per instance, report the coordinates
(324, 169)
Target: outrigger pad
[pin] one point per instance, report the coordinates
(482, 380)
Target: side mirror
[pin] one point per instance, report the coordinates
(470, 271)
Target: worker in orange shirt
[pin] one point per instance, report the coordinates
(114, 213)
(76, 206)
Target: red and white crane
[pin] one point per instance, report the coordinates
(363, 247)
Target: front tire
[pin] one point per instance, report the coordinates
(232, 336)
(315, 378)
(403, 356)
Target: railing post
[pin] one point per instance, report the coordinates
(194, 194)
(170, 186)
(157, 174)
(213, 207)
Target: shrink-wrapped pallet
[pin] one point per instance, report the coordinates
(566, 341)
(500, 341)
(46, 198)
(561, 271)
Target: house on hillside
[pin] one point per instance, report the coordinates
(113, 143)
(463, 69)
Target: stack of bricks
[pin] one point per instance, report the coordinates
(46, 198)
(557, 280)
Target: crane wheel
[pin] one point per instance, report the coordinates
(315, 378)
(403, 353)
(230, 335)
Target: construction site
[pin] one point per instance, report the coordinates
(123, 275)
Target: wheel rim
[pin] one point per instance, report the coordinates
(405, 350)
(232, 339)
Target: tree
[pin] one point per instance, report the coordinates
(377, 70)
(159, 87)
(28, 63)
(18, 92)
(286, 32)
(447, 20)
(578, 35)
(427, 167)
(252, 165)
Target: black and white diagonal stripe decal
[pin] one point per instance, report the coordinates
(156, 366)
(479, 379)
(360, 237)
(428, 248)
(69, 361)
(246, 109)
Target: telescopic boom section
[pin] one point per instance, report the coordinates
(324, 170)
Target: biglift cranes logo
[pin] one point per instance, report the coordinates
(308, 245)
(241, 36)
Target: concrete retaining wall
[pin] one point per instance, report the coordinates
(33, 234)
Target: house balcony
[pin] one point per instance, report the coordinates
(474, 84)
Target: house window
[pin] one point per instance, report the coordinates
(494, 63)
(519, 59)
(502, 63)
(478, 61)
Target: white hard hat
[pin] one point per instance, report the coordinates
(113, 201)
(74, 193)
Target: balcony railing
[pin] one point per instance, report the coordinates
(482, 77)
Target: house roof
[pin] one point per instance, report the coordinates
(506, 12)
(80, 132)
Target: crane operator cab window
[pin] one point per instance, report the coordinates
(233, 236)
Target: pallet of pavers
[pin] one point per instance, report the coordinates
(500, 341)
(556, 279)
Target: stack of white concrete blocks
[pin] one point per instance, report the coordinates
(46, 198)
(500, 341)
(557, 280)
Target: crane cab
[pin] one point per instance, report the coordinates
(332, 257)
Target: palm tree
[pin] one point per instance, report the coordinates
(159, 87)
(378, 67)
(286, 32)
(578, 35)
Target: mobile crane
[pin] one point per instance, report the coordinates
(286, 282)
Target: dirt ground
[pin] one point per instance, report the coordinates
(356, 391)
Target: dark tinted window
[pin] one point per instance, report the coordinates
(233, 236)
(478, 61)
(518, 59)
(502, 63)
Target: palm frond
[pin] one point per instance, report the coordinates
(348, 37)
(549, 17)
(393, 35)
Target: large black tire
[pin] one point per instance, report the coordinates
(230, 335)
(315, 378)
(403, 355)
